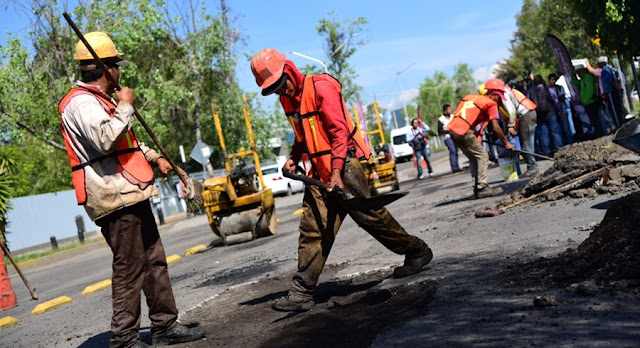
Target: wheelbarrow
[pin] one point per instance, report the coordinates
(628, 136)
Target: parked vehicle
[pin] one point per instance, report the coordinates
(400, 149)
(273, 179)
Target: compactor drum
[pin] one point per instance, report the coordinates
(238, 210)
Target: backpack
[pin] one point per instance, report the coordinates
(542, 99)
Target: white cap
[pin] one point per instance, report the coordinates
(602, 59)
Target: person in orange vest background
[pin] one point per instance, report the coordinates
(522, 118)
(113, 179)
(331, 148)
(473, 114)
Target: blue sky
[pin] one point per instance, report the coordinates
(424, 36)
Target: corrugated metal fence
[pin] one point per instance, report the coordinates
(33, 220)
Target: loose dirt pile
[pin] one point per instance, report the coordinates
(608, 260)
(584, 169)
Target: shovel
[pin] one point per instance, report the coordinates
(522, 151)
(350, 201)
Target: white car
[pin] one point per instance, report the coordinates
(273, 179)
(399, 147)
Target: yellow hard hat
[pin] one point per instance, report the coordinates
(482, 90)
(101, 44)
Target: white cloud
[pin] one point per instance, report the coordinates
(399, 100)
(485, 72)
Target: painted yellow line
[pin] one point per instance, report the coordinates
(173, 258)
(8, 321)
(195, 249)
(51, 304)
(297, 212)
(96, 287)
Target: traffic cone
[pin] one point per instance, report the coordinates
(422, 161)
(7, 296)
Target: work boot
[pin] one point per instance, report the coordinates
(487, 192)
(530, 173)
(413, 265)
(295, 301)
(179, 334)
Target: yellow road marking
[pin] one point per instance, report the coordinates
(51, 304)
(297, 212)
(195, 249)
(8, 321)
(173, 258)
(96, 287)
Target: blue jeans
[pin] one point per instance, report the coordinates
(568, 130)
(423, 153)
(453, 154)
(549, 135)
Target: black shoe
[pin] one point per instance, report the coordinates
(294, 302)
(413, 265)
(487, 192)
(180, 334)
(136, 344)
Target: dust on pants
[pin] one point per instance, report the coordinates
(321, 219)
(478, 157)
(139, 263)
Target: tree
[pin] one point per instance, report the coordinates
(530, 50)
(340, 44)
(176, 73)
(8, 165)
(440, 89)
(615, 22)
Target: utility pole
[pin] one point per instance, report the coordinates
(406, 114)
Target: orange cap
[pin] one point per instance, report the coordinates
(267, 66)
(494, 84)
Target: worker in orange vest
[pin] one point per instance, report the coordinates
(331, 148)
(113, 179)
(469, 120)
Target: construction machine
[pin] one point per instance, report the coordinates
(239, 206)
(380, 169)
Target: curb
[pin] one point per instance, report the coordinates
(51, 304)
(96, 287)
(8, 321)
(173, 258)
(195, 249)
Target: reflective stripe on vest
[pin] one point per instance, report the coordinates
(467, 113)
(310, 132)
(522, 100)
(128, 151)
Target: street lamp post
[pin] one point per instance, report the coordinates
(406, 114)
(313, 59)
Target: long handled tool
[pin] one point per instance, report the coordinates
(34, 295)
(192, 187)
(522, 151)
(572, 183)
(349, 200)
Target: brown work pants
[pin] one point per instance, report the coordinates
(478, 157)
(139, 263)
(322, 216)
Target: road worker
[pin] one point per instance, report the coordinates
(113, 179)
(331, 149)
(469, 120)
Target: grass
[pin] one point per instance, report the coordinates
(35, 255)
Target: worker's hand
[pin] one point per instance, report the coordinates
(126, 95)
(336, 180)
(165, 168)
(290, 166)
(513, 132)
(508, 146)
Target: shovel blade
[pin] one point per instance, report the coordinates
(373, 203)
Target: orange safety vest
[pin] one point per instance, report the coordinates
(128, 152)
(309, 130)
(522, 99)
(467, 113)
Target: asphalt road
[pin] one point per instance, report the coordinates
(437, 209)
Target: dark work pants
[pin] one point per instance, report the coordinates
(594, 118)
(321, 219)
(139, 263)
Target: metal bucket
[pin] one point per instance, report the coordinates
(628, 135)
